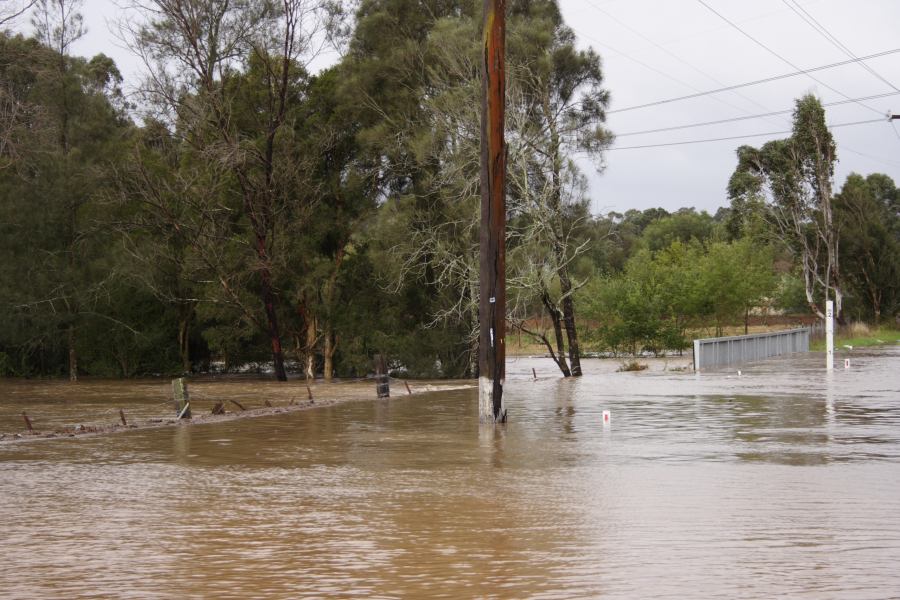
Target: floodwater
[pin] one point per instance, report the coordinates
(783, 482)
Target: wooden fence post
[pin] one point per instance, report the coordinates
(182, 398)
(28, 422)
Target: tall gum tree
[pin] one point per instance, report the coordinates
(226, 75)
(795, 178)
(565, 103)
(59, 24)
(870, 244)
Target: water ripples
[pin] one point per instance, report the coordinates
(783, 482)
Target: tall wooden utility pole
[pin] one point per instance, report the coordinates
(492, 303)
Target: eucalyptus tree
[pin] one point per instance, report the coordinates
(794, 177)
(11, 10)
(65, 130)
(870, 244)
(227, 78)
(564, 101)
(58, 24)
(417, 75)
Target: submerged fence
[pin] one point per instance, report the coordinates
(717, 352)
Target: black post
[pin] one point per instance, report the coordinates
(382, 379)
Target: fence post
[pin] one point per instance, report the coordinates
(696, 356)
(182, 398)
(829, 335)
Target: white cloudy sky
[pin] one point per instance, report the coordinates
(661, 49)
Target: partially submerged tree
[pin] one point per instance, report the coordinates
(66, 130)
(564, 103)
(227, 77)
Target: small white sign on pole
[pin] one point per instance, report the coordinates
(829, 335)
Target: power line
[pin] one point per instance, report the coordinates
(675, 56)
(736, 137)
(775, 54)
(632, 59)
(758, 82)
(869, 156)
(748, 117)
(821, 30)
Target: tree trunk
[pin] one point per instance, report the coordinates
(73, 357)
(568, 311)
(553, 311)
(184, 329)
(328, 352)
(310, 369)
(559, 248)
(274, 336)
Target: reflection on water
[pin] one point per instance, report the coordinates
(783, 482)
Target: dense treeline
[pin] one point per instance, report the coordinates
(242, 210)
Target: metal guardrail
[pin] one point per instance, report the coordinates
(721, 351)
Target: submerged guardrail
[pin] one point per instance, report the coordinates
(721, 351)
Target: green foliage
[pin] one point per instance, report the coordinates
(684, 225)
(789, 184)
(648, 307)
(866, 209)
(141, 247)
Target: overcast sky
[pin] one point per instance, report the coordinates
(656, 50)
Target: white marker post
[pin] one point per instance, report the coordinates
(829, 335)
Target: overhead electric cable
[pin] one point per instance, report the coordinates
(818, 27)
(757, 82)
(775, 54)
(736, 137)
(869, 156)
(655, 44)
(748, 117)
(632, 59)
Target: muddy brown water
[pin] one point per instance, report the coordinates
(784, 482)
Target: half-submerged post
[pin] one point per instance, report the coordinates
(829, 335)
(182, 399)
(492, 302)
(382, 379)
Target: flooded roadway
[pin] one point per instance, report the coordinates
(784, 482)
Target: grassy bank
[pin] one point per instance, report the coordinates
(860, 338)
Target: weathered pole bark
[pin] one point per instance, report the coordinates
(492, 301)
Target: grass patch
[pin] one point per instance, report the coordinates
(853, 338)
